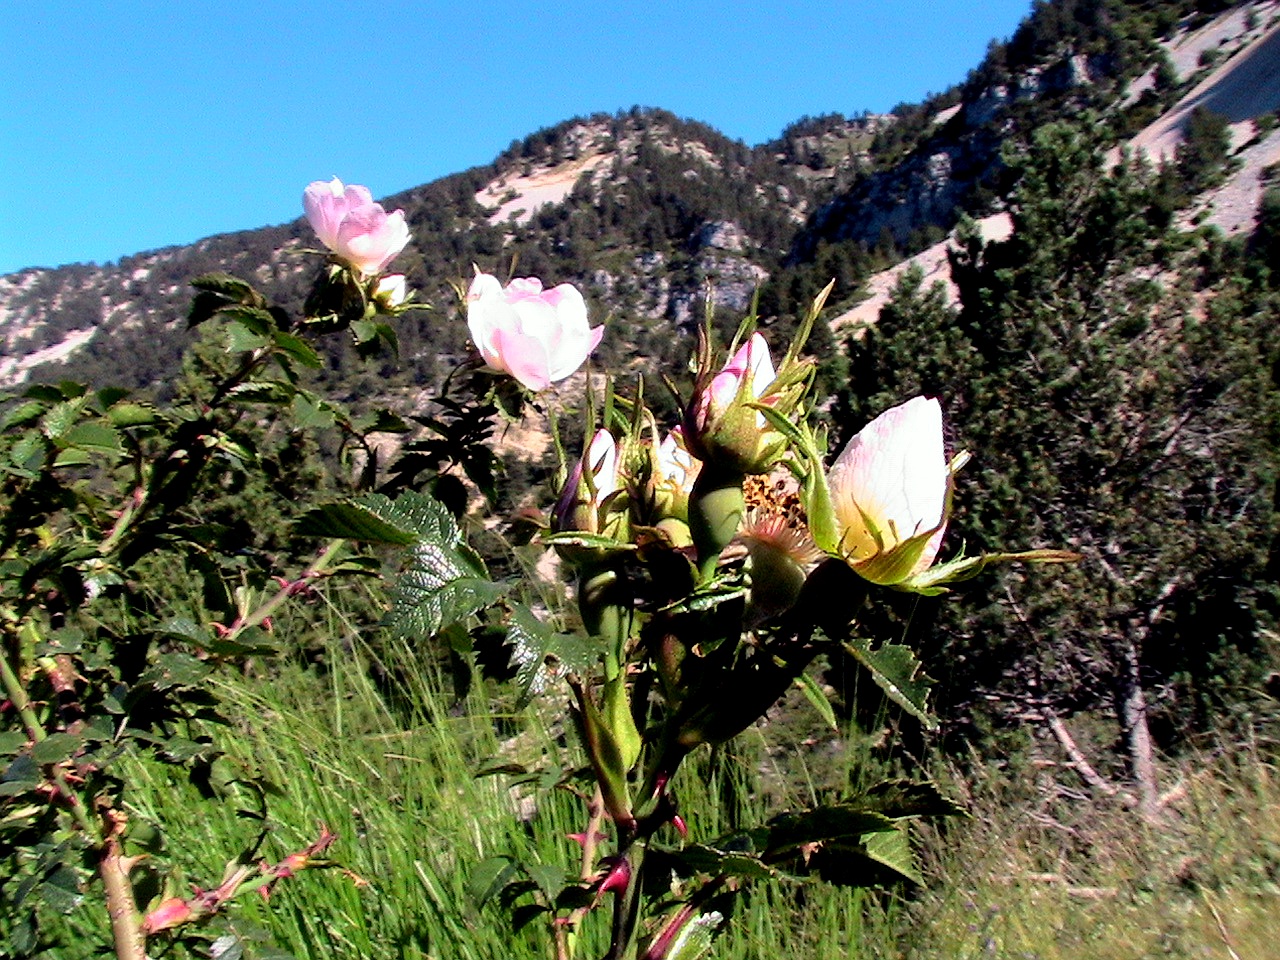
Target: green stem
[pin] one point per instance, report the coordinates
(18, 697)
(317, 569)
(626, 910)
(17, 694)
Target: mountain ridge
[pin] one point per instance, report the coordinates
(647, 210)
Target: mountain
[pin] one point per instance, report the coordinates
(647, 211)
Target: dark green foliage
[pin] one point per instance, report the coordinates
(1111, 409)
(1202, 156)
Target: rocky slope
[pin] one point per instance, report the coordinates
(647, 211)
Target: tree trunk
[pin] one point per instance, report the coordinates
(1131, 708)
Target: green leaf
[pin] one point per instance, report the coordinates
(731, 863)
(61, 890)
(262, 391)
(382, 421)
(312, 413)
(446, 580)
(224, 283)
(127, 414)
(352, 521)
(11, 741)
(529, 640)
(693, 942)
(56, 747)
(830, 823)
(255, 320)
(294, 347)
(496, 766)
(817, 697)
(548, 876)
(62, 417)
(440, 587)
(24, 413)
(244, 339)
(28, 451)
(93, 435)
(175, 669)
(892, 849)
(897, 672)
(488, 877)
(591, 541)
(184, 628)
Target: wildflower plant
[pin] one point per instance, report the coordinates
(710, 562)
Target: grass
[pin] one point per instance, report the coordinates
(371, 747)
(1068, 878)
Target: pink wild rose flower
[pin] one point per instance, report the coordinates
(537, 336)
(349, 223)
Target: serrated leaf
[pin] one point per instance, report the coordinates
(27, 452)
(294, 347)
(225, 284)
(62, 417)
(548, 876)
(11, 741)
(830, 823)
(415, 512)
(93, 435)
(26, 412)
(898, 673)
(253, 319)
(128, 414)
(185, 628)
(262, 391)
(892, 849)
(590, 541)
(72, 457)
(61, 890)
(175, 669)
(56, 747)
(244, 339)
(311, 413)
(703, 858)
(529, 639)
(446, 580)
(488, 877)
(352, 521)
(496, 765)
(383, 421)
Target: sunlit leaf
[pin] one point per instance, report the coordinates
(898, 673)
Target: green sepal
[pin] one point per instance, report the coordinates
(932, 582)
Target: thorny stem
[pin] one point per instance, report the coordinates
(626, 909)
(18, 696)
(317, 569)
(35, 730)
(114, 867)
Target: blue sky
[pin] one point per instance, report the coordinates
(127, 126)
